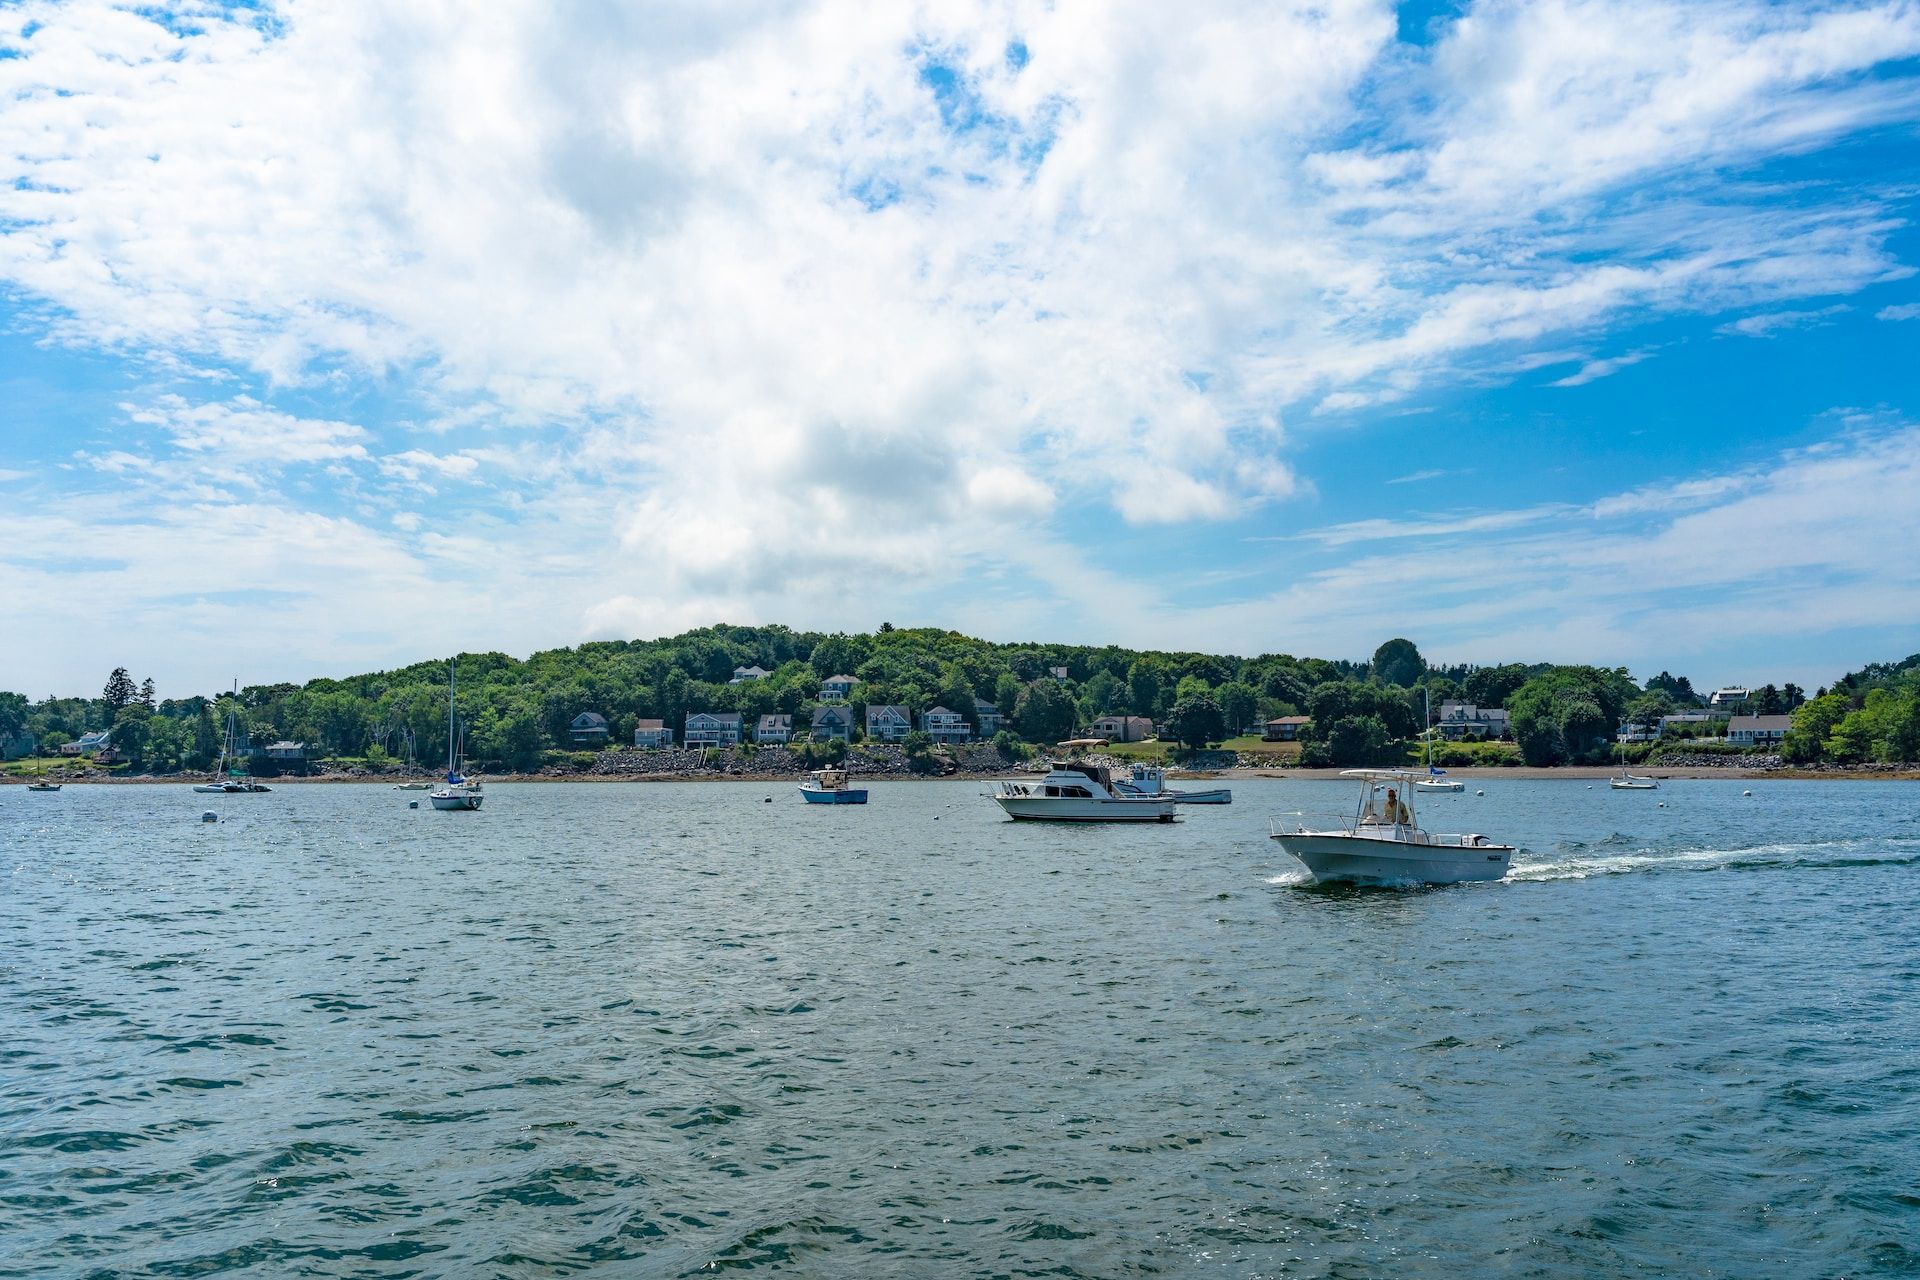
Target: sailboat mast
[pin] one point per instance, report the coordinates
(451, 662)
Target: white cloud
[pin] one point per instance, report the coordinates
(1768, 323)
(244, 432)
(1904, 311)
(1594, 369)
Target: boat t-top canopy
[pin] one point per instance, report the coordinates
(1384, 775)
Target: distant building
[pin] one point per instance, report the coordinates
(1637, 733)
(589, 729)
(743, 674)
(1758, 731)
(774, 729)
(88, 744)
(1460, 720)
(1118, 728)
(1058, 673)
(1285, 728)
(1695, 720)
(712, 729)
(888, 723)
(987, 718)
(652, 733)
(831, 723)
(1731, 694)
(943, 725)
(836, 688)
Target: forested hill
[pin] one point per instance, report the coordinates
(511, 711)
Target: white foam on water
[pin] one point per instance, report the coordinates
(1819, 853)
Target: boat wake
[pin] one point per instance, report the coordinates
(1877, 852)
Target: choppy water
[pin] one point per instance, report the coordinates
(657, 1030)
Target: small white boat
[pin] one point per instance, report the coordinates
(1151, 780)
(1382, 843)
(829, 786)
(44, 786)
(460, 792)
(413, 786)
(1075, 791)
(1632, 782)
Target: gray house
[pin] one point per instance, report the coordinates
(833, 722)
(773, 730)
(888, 723)
(943, 725)
(712, 729)
(652, 733)
(589, 729)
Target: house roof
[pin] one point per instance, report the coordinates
(718, 717)
(981, 704)
(589, 720)
(751, 671)
(940, 711)
(833, 713)
(649, 724)
(879, 709)
(1775, 724)
(1291, 720)
(776, 720)
(848, 680)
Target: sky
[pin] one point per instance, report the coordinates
(338, 336)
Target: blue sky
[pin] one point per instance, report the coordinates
(339, 336)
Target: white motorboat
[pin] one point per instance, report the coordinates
(1077, 791)
(1633, 782)
(1151, 780)
(1436, 779)
(460, 792)
(1381, 842)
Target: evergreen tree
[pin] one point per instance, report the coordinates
(147, 696)
(117, 695)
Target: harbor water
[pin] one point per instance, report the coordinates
(667, 1030)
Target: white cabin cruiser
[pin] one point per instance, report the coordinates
(1383, 843)
(1077, 791)
(1151, 780)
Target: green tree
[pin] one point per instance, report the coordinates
(1144, 680)
(1196, 721)
(1044, 713)
(1813, 724)
(118, 693)
(1398, 662)
(130, 733)
(1237, 704)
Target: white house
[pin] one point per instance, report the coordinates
(943, 725)
(1732, 693)
(652, 733)
(1636, 733)
(743, 674)
(888, 723)
(836, 688)
(833, 722)
(712, 729)
(773, 730)
(1758, 731)
(88, 744)
(1465, 720)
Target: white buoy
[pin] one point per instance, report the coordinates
(1479, 793)
(1663, 804)
(1746, 793)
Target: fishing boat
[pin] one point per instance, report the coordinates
(1632, 781)
(236, 782)
(1382, 842)
(44, 786)
(1436, 779)
(461, 792)
(1078, 791)
(1151, 780)
(829, 786)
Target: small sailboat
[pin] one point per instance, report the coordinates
(44, 786)
(460, 792)
(412, 783)
(235, 781)
(1436, 779)
(1632, 781)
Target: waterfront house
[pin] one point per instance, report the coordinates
(1636, 733)
(943, 725)
(836, 688)
(1758, 731)
(1731, 694)
(743, 674)
(285, 752)
(1285, 728)
(88, 744)
(653, 734)
(773, 730)
(589, 729)
(1700, 722)
(1460, 720)
(833, 723)
(987, 718)
(1118, 728)
(712, 729)
(888, 723)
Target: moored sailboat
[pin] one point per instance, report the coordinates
(460, 792)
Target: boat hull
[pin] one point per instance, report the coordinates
(1219, 795)
(1334, 857)
(1618, 785)
(1076, 809)
(851, 795)
(456, 801)
(1439, 786)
